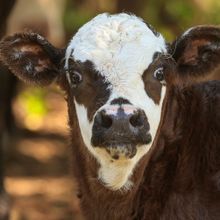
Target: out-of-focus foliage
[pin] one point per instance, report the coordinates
(33, 106)
(74, 18)
(171, 17)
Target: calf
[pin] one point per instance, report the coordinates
(145, 141)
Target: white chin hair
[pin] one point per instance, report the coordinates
(115, 174)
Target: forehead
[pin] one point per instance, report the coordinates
(119, 45)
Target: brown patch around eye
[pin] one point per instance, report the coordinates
(152, 86)
(93, 92)
(191, 51)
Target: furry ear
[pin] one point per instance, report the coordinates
(197, 51)
(31, 58)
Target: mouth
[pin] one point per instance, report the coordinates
(123, 150)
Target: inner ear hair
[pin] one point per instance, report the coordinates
(197, 51)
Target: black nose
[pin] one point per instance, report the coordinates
(132, 122)
(120, 129)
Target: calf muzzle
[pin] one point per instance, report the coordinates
(121, 131)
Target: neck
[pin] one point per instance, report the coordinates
(97, 200)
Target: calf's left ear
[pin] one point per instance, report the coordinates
(197, 51)
(31, 58)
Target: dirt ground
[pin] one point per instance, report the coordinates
(38, 167)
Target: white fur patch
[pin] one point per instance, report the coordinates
(121, 47)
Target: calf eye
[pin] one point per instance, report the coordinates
(158, 74)
(74, 78)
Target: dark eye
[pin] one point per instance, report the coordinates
(158, 74)
(73, 77)
(76, 77)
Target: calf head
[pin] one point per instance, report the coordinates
(102, 72)
(117, 118)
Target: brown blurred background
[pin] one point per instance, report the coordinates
(34, 152)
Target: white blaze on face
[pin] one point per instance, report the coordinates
(121, 47)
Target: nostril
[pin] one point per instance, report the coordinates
(106, 120)
(136, 120)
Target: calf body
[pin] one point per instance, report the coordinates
(145, 139)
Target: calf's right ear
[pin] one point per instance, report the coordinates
(31, 58)
(197, 51)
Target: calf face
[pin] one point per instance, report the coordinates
(117, 117)
(113, 72)
(102, 72)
